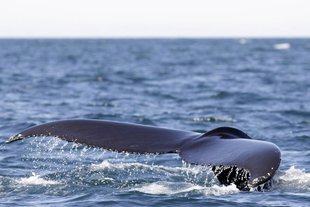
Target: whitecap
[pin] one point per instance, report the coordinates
(282, 46)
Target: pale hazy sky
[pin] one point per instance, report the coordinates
(154, 18)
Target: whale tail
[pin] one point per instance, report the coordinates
(227, 147)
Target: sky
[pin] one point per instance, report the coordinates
(154, 18)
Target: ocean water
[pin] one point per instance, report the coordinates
(261, 86)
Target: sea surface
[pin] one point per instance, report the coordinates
(261, 86)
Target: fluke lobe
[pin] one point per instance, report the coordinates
(242, 160)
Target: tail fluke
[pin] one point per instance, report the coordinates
(224, 146)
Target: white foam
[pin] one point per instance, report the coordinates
(36, 180)
(170, 188)
(293, 180)
(221, 190)
(282, 46)
(155, 188)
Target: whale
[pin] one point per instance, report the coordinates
(233, 155)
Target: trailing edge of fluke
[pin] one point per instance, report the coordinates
(225, 147)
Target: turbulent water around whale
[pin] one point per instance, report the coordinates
(256, 85)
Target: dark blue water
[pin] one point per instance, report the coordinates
(259, 86)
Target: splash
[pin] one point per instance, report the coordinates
(36, 180)
(170, 188)
(293, 180)
(180, 187)
(132, 173)
(185, 169)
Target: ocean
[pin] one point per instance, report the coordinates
(261, 86)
